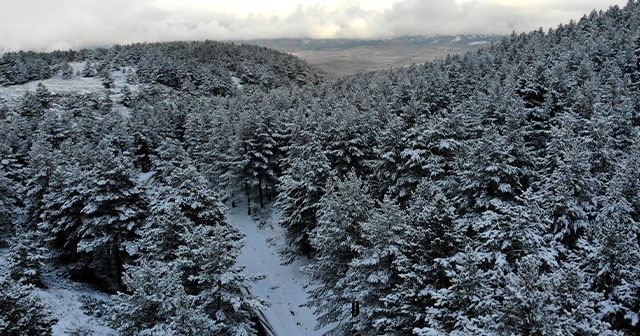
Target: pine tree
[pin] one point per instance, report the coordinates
(429, 147)
(26, 256)
(343, 210)
(43, 95)
(543, 299)
(377, 273)
(611, 252)
(299, 193)
(190, 253)
(91, 210)
(348, 141)
(22, 311)
(435, 240)
(8, 207)
(155, 298)
(66, 70)
(113, 208)
(568, 186)
(473, 293)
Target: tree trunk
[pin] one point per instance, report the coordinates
(118, 263)
(248, 192)
(260, 193)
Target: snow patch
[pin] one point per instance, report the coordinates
(76, 306)
(73, 319)
(237, 81)
(146, 178)
(75, 84)
(284, 286)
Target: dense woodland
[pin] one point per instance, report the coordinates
(490, 193)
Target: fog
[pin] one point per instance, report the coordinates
(45, 25)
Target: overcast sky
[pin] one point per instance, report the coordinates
(63, 24)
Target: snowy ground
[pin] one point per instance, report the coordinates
(67, 301)
(76, 84)
(65, 298)
(284, 285)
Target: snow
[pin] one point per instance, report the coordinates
(76, 84)
(237, 81)
(146, 178)
(3, 261)
(284, 285)
(54, 85)
(66, 303)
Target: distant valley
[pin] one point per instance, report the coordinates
(352, 56)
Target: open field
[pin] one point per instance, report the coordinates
(348, 57)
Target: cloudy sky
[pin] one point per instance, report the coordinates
(64, 24)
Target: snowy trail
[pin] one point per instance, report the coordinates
(284, 284)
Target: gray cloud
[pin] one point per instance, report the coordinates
(64, 24)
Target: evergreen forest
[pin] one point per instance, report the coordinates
(489, 193)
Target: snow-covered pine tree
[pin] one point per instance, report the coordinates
(376, 275)
(258, 147)
(43, 95)
(91, 210)
(155, 301)
(26, 256)
(27, 252)
(548, 299)
(22, 311)
(301, 187)
(7, 207)
(216, 286)
(343, 210)
(347, 138)
(610, 252)
(537, 296)
(432, 217)
(568, 186)
(221, 149)
(461, 308)
(429, 147)
(112, 210)
(199, 133)
(190, 252)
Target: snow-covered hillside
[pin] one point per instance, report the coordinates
(78, 308)
(76, 84)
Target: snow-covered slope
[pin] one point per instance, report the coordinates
(284, 285)
(73, 304)
(76, 84)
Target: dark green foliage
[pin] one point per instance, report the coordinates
(7, 207)
(22, 313)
